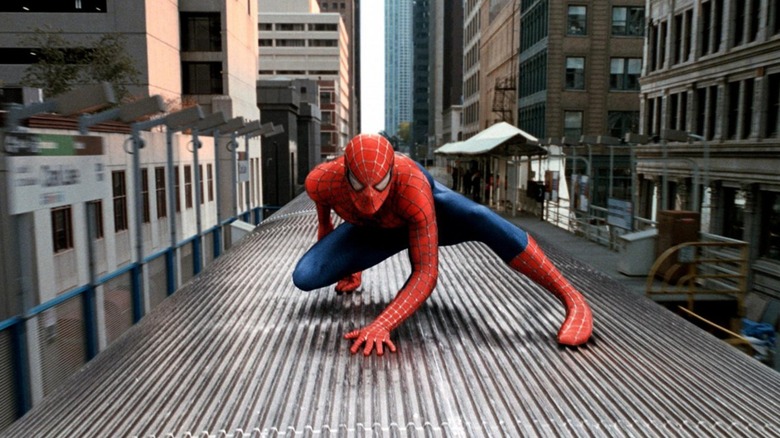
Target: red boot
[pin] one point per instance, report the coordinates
(578, 325)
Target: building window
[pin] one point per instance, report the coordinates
(575, 73)
(323, 43)
(265, 27)
(62, 229)
(326, 97)
(96, 207)
(291, 27)
(210, 181)
(577, 20)
(621, 123)
(324, 27)
(734, 213)
(200, 185)
(119, 192)
(624, 73)
(770, 225)
(202, 77)
(734, 109)
(201, 32)
(772, 127)
(159, 184)
(572, 124)
(327, 117)
(147, 214)
(712, 18)
(678, 111)
(290, 42)
(628, 21)
(177, 188)
(774, 13)
(94, 6)
(188, 186)
(265, 42)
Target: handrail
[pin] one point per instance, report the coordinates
(734, 339)
(699, 277)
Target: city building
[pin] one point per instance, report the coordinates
(472, 31)
(710, 95)
(289, 156)
(421, 83)
(297, 41)
(579, 69)
(451, 92)
(398, 66)
(350, 15)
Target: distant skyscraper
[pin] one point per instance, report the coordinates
(420, 88)
(398, 64)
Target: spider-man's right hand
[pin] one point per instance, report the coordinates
(349, 284)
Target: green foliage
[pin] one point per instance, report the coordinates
(110, 62)
(61, 66)
(54, 73)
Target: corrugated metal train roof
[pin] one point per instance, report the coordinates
(240, 352)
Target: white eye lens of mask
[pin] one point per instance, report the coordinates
(354, 182)
(381, 185)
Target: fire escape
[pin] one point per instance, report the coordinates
(504, 99)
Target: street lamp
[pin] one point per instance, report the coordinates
(80, 100)
(176, 121)
(204, 126)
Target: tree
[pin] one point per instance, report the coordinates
(109, 61)
(61, 66)
(54, 72)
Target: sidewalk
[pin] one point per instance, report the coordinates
(590, 253)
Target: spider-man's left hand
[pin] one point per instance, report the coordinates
(374, 336)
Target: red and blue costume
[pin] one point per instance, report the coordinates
(389, 203)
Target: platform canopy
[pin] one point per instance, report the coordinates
(499, 139)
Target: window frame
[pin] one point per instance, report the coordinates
(62, 229)
(574, 75)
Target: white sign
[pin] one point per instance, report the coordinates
(619, 213)
(50, 171)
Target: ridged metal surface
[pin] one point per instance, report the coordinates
(240, 352)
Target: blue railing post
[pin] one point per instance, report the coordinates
(170, 273)
(21, 367)
(137, 297)
(197, 254)
(90, 322)
(217, 241)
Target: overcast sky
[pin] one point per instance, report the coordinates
(372, 55)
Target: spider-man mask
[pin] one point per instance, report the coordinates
(369, 160)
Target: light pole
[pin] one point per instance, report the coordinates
(204, 126)
(177, 121)
(229, 128)
(125, 113)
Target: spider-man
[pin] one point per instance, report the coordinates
(389, 203)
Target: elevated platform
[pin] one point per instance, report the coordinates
(239, 351)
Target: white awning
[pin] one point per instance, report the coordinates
(499, 139)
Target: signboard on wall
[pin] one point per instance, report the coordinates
(619, 213)
(243, 167)
(52, 170)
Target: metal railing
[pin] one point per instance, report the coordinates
(42, 348)
(592, 224)
(713, 266)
